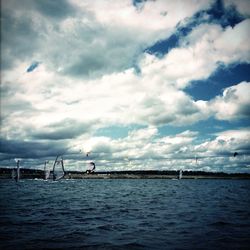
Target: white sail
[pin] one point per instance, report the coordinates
(47, 174)
(13, 173)
(46, 171)
(180, 174)
(16, 173)
(58, 169)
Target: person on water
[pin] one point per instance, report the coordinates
(90, 171)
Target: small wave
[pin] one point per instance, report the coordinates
(132, 246)
(220, 223)
(106, 227)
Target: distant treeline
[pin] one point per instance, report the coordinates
(28, 173)
(175, 172)
(37, 173)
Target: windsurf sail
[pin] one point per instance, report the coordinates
(58, 169)
(13, 173)
(16, 172)
(46, 170)
(180, 174)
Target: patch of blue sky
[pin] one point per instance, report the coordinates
(217, 14)
(137, 3)
(164, 46)
(117, 132)
(225, 17)
(224, 77)
(207, 129)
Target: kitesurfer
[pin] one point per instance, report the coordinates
(90, 171)
(235, 154)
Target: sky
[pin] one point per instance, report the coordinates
(141, 85)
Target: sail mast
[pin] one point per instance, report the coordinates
(63, 167)
(54, 176)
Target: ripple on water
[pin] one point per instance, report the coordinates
(124, 214)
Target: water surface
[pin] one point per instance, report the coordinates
(125, 214)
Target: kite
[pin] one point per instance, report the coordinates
(235, 154)
(32, 67)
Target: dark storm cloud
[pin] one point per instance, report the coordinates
(244, 148)
(19, 39)
(10, 103)
(66, 129)
(12, 107)
(60, 134)
(244, 111)
(86, 65)
(22, 33)
(54, 9)
(27, 149)
(103, 51)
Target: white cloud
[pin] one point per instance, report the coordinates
(153, 97)
(93, 37)
(199, 54)
(144, 149)
(234, 104)
(151, 16)
(219, 152)
(232, 45)
(96, 39)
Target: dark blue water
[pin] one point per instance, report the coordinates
(125, 214)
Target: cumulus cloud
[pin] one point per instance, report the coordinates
(88, 33)
(144, 149)
(221, 151)
(11, 149)
(234, 104)
(200, 53)
(65, 129)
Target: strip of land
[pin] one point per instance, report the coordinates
(6, 173)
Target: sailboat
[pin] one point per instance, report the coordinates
(58, 169)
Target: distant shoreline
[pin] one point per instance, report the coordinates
(5, 173)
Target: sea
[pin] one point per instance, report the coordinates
(125, 214)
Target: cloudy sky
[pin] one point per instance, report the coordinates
(140, 84)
